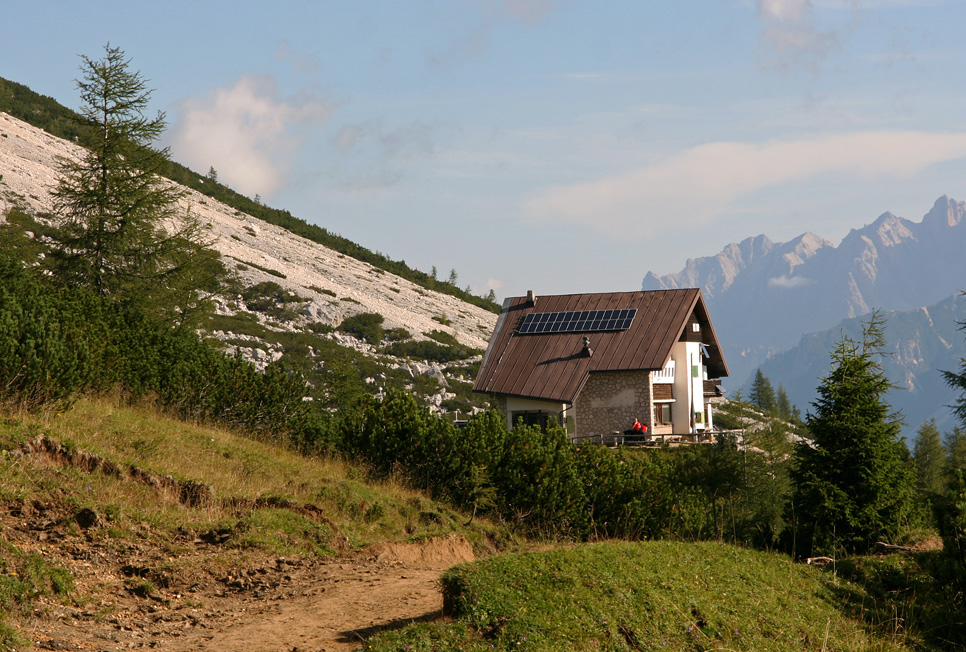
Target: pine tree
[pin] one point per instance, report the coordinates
(930, 458)
(853, 485)
(955, 444)
(121, 233)
(958, 382)
(952, 513)
(762, 393)
(782, 406)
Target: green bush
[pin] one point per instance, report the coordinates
(430, 351)
(272, 299)
(364, 325)
(442, 337)
(47, 347)
(56, 344)
(397, 335)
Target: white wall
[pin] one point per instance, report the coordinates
(688, 390)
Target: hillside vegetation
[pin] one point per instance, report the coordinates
(653, 596)
(107, 509)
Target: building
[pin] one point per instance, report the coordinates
(596, 362)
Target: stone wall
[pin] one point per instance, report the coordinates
(612, 400)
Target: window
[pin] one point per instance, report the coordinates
(535, 418)
(662, 414)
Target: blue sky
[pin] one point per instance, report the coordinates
(554, 145)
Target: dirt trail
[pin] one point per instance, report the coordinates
(282, 606)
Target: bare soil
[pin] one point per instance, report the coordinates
(130, 596)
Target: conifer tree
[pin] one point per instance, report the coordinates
(782, 406)
(929, 457)
(853, 485)
(952, 513)
(957, 380)
(121, 233)
(762, 394)
(955, 444)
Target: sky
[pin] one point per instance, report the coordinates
(558, 146)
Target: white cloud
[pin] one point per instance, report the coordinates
(698, 185)
(789, 282)
(790, 33)
(494, 284)
(247, 132)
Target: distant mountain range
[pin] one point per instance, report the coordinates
(921, 343)
(764, 295)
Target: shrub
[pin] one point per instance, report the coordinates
(397, 335)
(56, 344)
(47, 348)
(442, 337)
(272, 299)
(364, 325)
(430, 351)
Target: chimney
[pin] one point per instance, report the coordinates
(531, 299)
(587, 352)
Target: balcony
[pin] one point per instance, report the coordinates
(665, 375)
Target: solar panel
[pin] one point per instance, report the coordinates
(577, 321)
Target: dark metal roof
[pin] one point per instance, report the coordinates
(554, 366)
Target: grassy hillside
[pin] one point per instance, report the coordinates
(675, 596)
(114, 483)
(46, 113)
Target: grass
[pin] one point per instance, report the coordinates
(648, 596)
(267, 500)
(238, 469)
(921, 591)
(24, 577)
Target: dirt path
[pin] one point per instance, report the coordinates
(283, 606)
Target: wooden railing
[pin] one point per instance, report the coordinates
(616, 438)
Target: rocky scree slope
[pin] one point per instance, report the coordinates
(332, 286)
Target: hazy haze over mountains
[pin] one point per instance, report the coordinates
(763, 295)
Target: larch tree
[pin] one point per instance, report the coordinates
(853, 483)
(121, 232)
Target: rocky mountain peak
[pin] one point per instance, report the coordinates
(714, 274)
(945, 213)
(762, 296)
